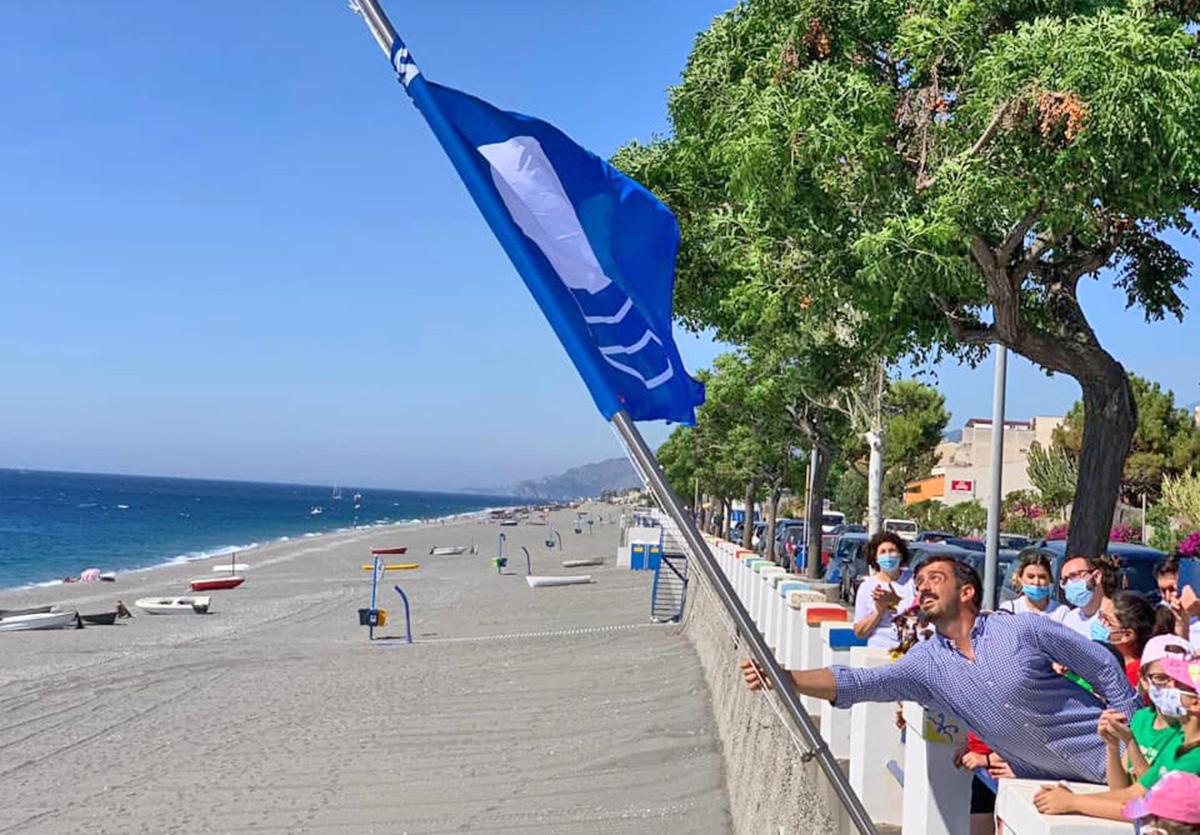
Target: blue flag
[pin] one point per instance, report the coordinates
(596, 249)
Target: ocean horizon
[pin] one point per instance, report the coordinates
(55, 524)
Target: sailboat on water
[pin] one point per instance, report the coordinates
(337, 492)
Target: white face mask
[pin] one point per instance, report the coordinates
(1167, 701)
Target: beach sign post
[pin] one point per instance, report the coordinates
(373, 617)
(596, 250)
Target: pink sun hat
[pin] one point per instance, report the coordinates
(1184, 672)
(1165, 646)
(1175, 797)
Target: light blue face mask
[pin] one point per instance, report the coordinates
(888, 562)
(1077, 592)
(1036, 593)
(1100, 632)
(1166, 700)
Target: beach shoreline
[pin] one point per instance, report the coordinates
(558, 710)
(227, 551)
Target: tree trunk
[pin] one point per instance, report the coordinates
(772, 518)
(816, 511)
(726, 514)
(1109, 421)
(875, 441)
(748, 524)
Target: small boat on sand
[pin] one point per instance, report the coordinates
(100, 618)
(174, 605)
(448, 550)
(40, 620)
(217, 583)
(32, 610)
(537, 582)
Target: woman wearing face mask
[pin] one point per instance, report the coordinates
(1127, 621)
(1034, 579)
(1086, 583)
(888, 590)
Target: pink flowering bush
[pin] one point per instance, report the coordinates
(1190, 547)
(1057, 532)
(1123, 533)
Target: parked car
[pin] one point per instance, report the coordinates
(829, 541)
(756, 537)
(1136, 574)
(735, 532)
(847, 565)
(963, 542)
(905, 528)
(1014, 541)
(782, 528)
(934, 536)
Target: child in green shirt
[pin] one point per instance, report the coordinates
(1179, 698)
(1149, 733)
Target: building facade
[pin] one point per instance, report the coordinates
(964, 470)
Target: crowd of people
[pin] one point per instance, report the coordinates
(1102, 687)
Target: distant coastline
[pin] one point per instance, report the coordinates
(56, 524)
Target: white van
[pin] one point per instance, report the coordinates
(830, 519)
(906, 529)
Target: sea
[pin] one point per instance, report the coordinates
(55, 525)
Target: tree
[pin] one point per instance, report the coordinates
(1054, 472)
(946, 170)
(1181, 497)
(1165, 443)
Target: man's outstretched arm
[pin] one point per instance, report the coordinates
(819, 684)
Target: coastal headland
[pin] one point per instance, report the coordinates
(516, 710)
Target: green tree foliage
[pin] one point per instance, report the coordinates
(1054, 473)
(916, 420)
(940, 175)
(1181, 497)
(1165, 443)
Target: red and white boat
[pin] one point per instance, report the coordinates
(217, 583)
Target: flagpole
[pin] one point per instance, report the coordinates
(645, 461)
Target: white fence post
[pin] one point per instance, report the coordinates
(875, 747)
(937, 795)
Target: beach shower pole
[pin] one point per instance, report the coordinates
(645, 461)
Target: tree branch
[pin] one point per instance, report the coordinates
(1015, 239)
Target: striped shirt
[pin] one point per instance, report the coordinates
(1040, 722)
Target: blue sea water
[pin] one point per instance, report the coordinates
(54, 525)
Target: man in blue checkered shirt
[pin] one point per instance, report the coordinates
(994, 671)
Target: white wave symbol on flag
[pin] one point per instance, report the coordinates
(538, 203)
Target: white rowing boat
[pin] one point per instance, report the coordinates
(174, 605)
(537, 582)
(449, 550)
(39, 620)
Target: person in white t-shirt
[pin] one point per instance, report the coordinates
(888, 590)
(1034, 579)
(1086, 583)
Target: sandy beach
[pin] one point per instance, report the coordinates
(517, 710)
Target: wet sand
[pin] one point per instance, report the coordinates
(557, 710)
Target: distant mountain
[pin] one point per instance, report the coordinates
(578, 482)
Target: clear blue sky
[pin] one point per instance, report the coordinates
(229, 246)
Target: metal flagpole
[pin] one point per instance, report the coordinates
(643, 459)
(817, 749)
(993, 524)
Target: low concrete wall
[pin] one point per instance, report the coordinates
(771, 792)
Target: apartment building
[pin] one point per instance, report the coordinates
(964, 470)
